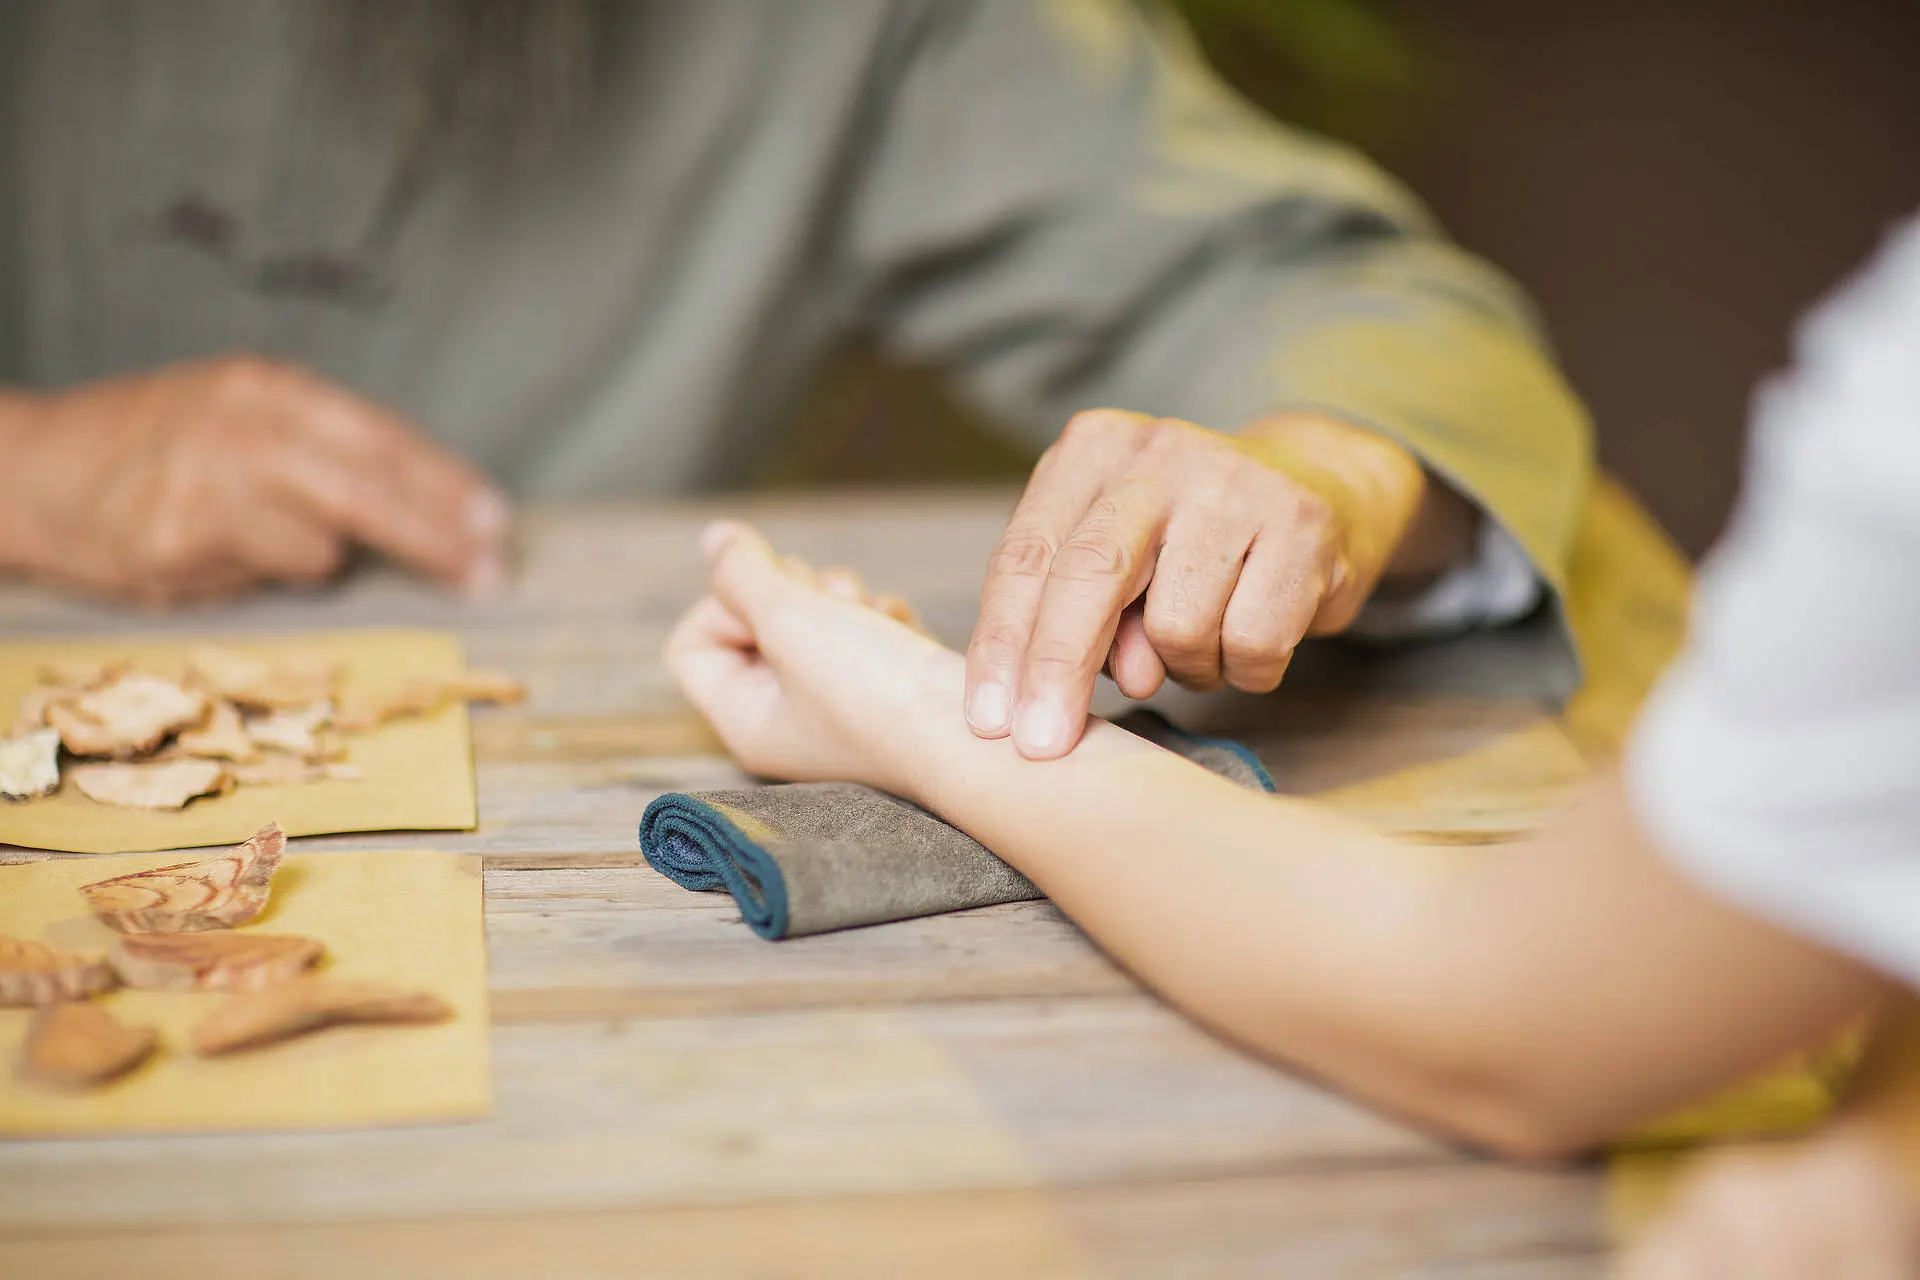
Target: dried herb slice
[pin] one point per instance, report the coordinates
(30, 765)
(150, 784)
(35, 973)
(78, 1046)
(211, 893)
(131, 716)
(211, 961)
(309, 1004)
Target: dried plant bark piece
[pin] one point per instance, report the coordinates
(128, 717)
(424, 695)
(151, 784)
(30, 765)
(287, 681)
(308, 1004)
(35, 973)
(34, 705)
(276, 769)
(75, 1045)
(294, 731)
(81, 674)
(218, 961)
(221, 735)
(370, 711)
(186, 897)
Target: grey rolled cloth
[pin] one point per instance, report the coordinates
(812, 857)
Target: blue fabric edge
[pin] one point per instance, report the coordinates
(697, 847)
(1241, 749)
(1168, 729)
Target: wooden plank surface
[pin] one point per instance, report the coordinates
(979, 1093)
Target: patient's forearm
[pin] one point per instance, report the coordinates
(1535, 1001)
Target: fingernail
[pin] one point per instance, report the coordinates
(989, 707)
(487, 515)
(1041, 728)
(715, 537)
(487, 580)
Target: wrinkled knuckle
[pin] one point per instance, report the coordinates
(995, 646)
(1088, 422)
(1092, 557)
(1164, 436)
(1312, 513)
(1051, 660)
(1250, 642)
(1178, 634)
(1091, 426)
(1020, 555)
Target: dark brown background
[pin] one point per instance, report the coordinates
(1674, 181)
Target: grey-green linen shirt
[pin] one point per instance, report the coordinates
(1052, 199)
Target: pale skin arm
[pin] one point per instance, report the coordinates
(1534, 1003)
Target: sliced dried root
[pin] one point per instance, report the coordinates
(151, 784)
(34, 706)
(307, 1004)
(218, 961)
(130, 716)
(78, 1046)
(35, 973)
(78, 675)
(425, 695)
(277, 769)
(221, 735)
(30, 765)
(287, 681)
(212, 893)
(300, 732)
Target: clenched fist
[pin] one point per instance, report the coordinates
(200, 480)
(1157, 548)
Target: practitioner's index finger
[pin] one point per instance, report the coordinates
(1057, 497)
(1099, 570)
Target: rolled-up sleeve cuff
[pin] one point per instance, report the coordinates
(1497, 585)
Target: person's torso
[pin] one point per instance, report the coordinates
(183, 181)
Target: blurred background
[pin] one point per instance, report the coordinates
(1672, 180)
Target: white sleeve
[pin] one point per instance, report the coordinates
(1778, 763)
(1497, 585)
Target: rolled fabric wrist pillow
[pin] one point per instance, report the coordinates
(812, 857)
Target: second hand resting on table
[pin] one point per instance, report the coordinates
(1530, 1003)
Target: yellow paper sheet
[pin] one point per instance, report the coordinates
(409, 918)
(419, 772)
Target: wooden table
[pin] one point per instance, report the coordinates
(974, 1094)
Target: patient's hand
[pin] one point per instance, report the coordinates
(807, 677)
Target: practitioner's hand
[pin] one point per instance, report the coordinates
(1159, 548)
(1831, 1208)
(806, 676)
(203, 479)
